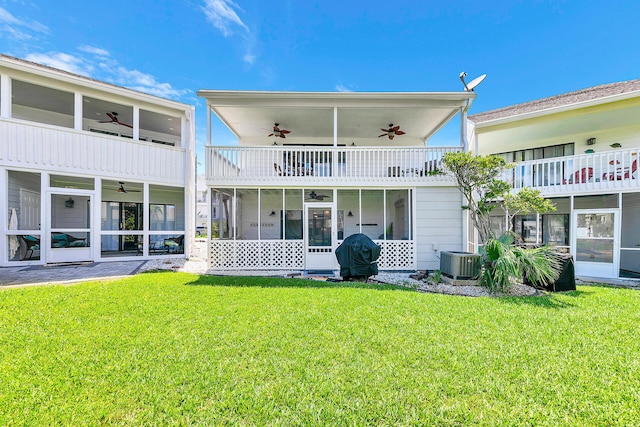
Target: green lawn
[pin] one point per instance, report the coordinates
(180, 349)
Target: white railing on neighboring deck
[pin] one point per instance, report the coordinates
(324, 164)
(47, 147)
(616, 169)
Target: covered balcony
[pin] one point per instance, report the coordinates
(327, 165)
(585, 173)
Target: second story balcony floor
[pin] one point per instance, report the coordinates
(345, 166)
(615, 170)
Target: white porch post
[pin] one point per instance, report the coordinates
(96, 227)
(77, 111)
(146, 218)
(463, 129)
(3, 214)
(190, 180)
(5, 99)
(45, 218)
(136, 123)
(334, 162)
(208, 124)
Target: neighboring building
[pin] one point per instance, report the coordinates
(581, 150)
(312, 168)
(90, 171)
(202, 206)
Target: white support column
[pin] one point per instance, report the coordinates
(96, 227)
(77, 111)
(4, 211)
(45, 218)
(136, 123)
(334, 161)
(145, 219)
(5, 98)
(463, 129)
(190, 180)
(208, 124)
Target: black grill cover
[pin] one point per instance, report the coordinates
(357, 256)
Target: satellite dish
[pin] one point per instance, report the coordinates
(475, 82)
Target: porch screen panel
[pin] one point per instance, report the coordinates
(348, 203)
(630, 241)
(292, 217)
(372, 215)
(221, 208)
(247, 218)
(23, 220)
(398, 214)
(270, 209)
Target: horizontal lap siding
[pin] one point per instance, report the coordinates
(438, 221)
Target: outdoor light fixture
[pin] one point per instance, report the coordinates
(275, 143)
(350, 213)
(69, 203)
(616, 145)
(591, 141)
(273, 213)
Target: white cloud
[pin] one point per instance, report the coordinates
(62, 61)
(249, 58)
(109, 70)
(222, 15)
(93, 50)
(143, 82)
(342, 88)
(17, 28)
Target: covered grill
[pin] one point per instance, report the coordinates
(357, 256)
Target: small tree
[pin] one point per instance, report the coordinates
(478, 180)
(524, 202)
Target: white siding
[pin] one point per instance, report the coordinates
(439, 222)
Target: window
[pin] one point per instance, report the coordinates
(162, 217)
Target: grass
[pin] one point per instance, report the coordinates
(180, 349)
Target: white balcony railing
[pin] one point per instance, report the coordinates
(325, 164)
(608, 170)
(47, 147)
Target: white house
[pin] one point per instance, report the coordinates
(581, 150)
(90, 171)
(312, 168)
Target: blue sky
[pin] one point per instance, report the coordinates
(528, 49)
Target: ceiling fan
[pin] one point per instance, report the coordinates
(122, 190)
(277, 132)
(392, 131)
(314, 196)
(114, 119)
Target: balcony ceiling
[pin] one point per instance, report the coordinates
(310, 116)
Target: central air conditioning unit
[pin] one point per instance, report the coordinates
(460, 265)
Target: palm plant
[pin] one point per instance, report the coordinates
(503, 264)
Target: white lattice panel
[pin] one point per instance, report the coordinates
(397, 255)
(256, 255)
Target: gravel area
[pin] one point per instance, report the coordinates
(403, 279)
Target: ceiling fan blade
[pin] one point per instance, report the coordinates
(384, 134)
(395, 128)
(124, 124)
(282, 135)
(399, 132)
(285, 131)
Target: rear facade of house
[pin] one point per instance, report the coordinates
(581, 150)
(90, 171)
